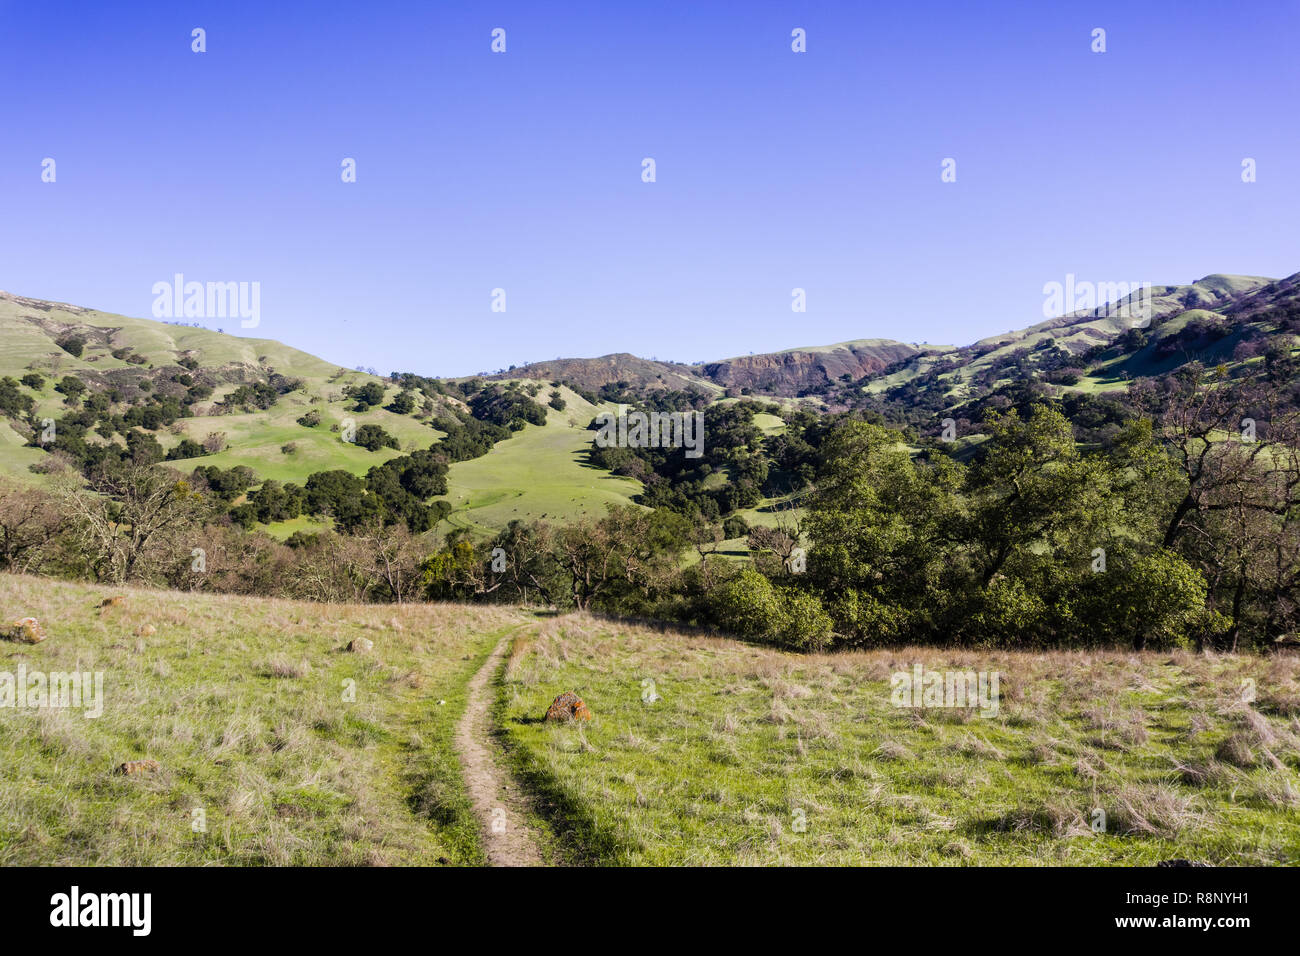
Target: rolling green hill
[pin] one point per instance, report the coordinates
(540, 471)
(543, 470)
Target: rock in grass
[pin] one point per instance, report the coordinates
(116, 600)
(361, 645)
(146, 630)
(568, 706)
(26, 630)
(133, 768)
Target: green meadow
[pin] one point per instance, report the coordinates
(755, 756)
(275, 745)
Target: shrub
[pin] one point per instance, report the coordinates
(866, 621)
(735, 527)
(72, 344)
(750, 605)
(188, 448)
(804, 623)
(747, 604)
(402, 404)
(373, 438)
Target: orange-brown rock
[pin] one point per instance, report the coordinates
(568, 706)
(26, 630)
(135, 767)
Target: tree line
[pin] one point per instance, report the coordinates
(1181, 527)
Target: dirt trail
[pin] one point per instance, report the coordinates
(498, 802)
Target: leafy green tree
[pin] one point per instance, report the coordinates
(403, 403)
(885, 528)
(373, 437)
(1030, 485)
(1154, 600)
(72, 344)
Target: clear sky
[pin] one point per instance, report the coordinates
(522, 170)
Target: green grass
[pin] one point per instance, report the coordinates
(257, 439)
(750, 756)
(28, 334)
(539, 472)
(240, 700)
(746, 741)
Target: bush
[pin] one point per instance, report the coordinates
(805, 625)
(72, 344)
(310, 420)
(373, 438)
(747, 604)
(866, 621)
(188, 448)
(1007, 613)
(735, 527)
(1156, 600)
(750, 605)
(402, 404)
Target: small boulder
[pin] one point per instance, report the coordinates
(116, 600)
(361, 645)
(26, 630)
(146, 630)
(568, 706)
(133, 768)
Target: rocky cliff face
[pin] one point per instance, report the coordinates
(788, 373)
(774, 373)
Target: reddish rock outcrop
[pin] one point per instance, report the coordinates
(568, 706)
(26, 630)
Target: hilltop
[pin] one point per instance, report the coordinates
(786, 373)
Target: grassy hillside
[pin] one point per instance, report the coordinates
(744, 742)
(541, 472)
(1233, 302)
(30, 329)
(241, 703)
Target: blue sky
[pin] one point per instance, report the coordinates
(522, 170)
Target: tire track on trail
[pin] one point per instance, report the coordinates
(498, 801)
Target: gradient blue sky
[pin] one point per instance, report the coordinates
(522, 170)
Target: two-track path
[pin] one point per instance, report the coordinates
(498, 802)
